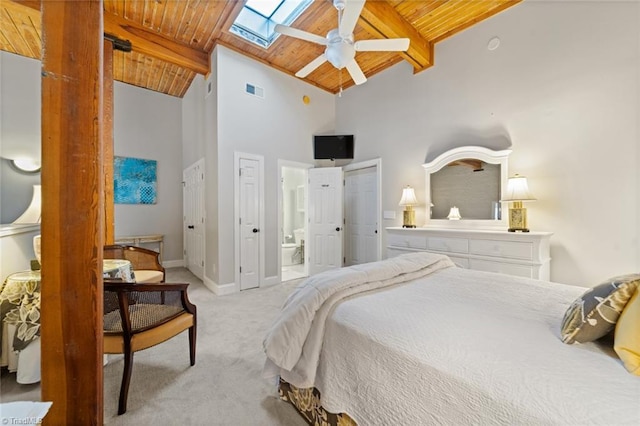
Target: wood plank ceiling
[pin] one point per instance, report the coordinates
(172, 40)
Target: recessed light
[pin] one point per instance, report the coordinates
(493, 43)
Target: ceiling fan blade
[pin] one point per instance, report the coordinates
(355, 72)
(311, 66)
(350, 16)
(382, 45)
(302, 35)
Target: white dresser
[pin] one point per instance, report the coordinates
(520, 254)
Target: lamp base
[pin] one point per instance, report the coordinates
(409, 218)
(517, 229)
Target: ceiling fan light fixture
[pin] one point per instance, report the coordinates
(340, 54)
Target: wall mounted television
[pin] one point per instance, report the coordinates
(332, 147)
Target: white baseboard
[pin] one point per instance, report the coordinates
(173, 263)
(269, 281)
(220, 289)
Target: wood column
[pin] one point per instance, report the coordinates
(109, 214)
(73, 211)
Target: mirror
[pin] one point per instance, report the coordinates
(470, 178)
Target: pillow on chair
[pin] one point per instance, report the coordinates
(595, 313)
(148, 276)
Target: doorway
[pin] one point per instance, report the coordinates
(293, 219)
(362, 207)
(249, 219)
(193, 217)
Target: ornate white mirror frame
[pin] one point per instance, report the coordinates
(464, 152)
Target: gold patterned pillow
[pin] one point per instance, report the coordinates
(595, 313)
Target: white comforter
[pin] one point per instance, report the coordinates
(293, 344)
(465, 347)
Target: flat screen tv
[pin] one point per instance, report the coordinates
(332, 147)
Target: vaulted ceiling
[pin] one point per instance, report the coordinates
(173, 39)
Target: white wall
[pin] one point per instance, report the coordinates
(280, 126)
(562, 88)
(148, 125)
(19, 131)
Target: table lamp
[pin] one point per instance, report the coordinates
(517, 192)
(408, 200)
(454, 214)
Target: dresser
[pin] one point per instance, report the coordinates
(521, 254)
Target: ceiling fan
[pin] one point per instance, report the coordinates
(341, 48)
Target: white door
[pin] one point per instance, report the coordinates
(325, 219)
(361, 216)
(193, 217)
(249, 198)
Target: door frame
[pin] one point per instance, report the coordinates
(377, 163)
(236, 214)
(298, 165)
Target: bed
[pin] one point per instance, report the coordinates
(415, 340)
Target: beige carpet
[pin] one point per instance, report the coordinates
(225, 387)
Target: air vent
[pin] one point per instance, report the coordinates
(209, 86)
(254, 90)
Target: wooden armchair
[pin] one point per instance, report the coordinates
(145, 262)
(139, 316)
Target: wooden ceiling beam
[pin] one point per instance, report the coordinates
(381, 19)
(148, 42)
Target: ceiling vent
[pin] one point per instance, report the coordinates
(254, 90)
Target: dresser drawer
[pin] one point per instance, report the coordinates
(409, 241)
(502, 268)
(506, 249)
(393, 252)
(450, 245)
(461, 262)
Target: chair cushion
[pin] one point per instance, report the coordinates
(114, 343)
(148, 276)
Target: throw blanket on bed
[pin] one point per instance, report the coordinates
(294, 342)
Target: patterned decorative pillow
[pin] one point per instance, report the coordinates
(595, 313)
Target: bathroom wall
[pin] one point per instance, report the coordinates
(292, 217)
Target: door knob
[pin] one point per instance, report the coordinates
(338, 229)
(255, 230)
(191, 227)
(376, 231)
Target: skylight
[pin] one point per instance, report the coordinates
(258, 18)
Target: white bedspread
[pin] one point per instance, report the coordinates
(469, 347)
(294, 341)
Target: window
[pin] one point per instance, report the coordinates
(258, 18)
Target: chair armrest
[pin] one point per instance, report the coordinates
(126, 287)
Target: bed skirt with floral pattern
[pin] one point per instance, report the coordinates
(307, 402)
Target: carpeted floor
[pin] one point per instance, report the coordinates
(225, 387)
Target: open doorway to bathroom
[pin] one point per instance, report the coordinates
(293, 221)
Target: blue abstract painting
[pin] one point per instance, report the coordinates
(134, 180)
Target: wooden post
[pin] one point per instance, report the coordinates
(109, 219)
(73, 211)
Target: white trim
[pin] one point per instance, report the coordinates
(6, 230)
(271, 281)
(236, 213)
(377, 163)
(220, 289)
(295, 164)
(173, 263)
(481, 153)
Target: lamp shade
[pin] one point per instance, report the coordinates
(518, 190)
(408, 197)
(454, 214)
(32, 214)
